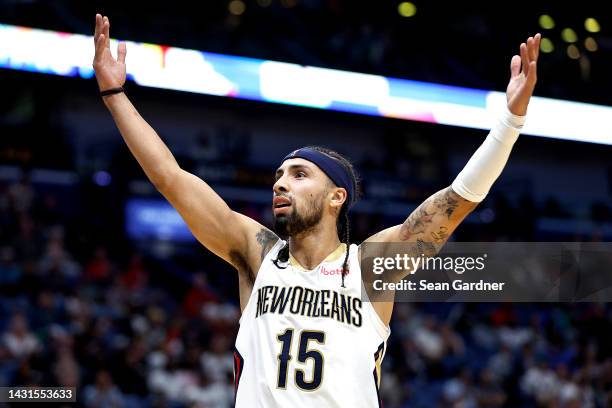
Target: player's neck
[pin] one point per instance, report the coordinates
(311, 248)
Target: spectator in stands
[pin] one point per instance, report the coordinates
(218, 362)
(489, 392)
(18, 340)
(199, 294)
(104, 394)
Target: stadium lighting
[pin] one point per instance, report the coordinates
(569, 35)
(406, 9)
(573, 52)
(590, 44)
(546, 45)
(591, 25)
(102, 178)
(187, 70)
(546, 22)
(236, 7)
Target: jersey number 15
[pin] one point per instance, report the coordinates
(303, 355)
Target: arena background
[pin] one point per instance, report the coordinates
(137, 315)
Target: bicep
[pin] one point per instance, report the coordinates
(436, 218)
(425, 231)
(228, 234)
(432, 222)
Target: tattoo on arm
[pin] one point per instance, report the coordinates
(266, 240)
(426, 248)
(444, 203)
(441, 235)
(429, 227)
(447, 203)
(416, 223)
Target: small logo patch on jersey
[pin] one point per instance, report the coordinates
(332, 272)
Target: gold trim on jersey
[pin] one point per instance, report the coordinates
(335, 255)
(378, 358)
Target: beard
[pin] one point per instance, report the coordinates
(287, 225)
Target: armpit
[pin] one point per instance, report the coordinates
(242, 266)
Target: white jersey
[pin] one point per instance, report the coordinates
(304, 341)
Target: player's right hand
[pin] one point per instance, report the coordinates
(110, 72)
(523, 76)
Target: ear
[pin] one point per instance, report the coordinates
(338, 196)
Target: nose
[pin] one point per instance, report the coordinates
(280, 186)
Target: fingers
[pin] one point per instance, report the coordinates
(524, 58)
(530, 49)
(532, 77)
(530, 52)
(102, 28)
(106, 31)
(99, 48)
(515, 66)
(533, 47)
(121, 52)
(98, 28)
(102, 40)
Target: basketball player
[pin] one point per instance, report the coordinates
(306, 338)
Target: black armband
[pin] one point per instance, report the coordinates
(112, 91)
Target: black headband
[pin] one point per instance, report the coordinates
(330, 166)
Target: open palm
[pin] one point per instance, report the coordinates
(523, 76)
(110, 72)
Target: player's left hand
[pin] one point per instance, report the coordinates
(523, 81)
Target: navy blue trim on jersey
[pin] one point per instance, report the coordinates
(238, 369)
(377, 356)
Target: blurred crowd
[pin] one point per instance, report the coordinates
(101, 324)
(152, 324)
(491, 355)
(128, 331)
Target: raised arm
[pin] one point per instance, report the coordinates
(432, 223)
(234, 237)
(434, 220)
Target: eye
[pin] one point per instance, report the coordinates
(300, 174)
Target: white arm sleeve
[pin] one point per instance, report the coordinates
(487, 163)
